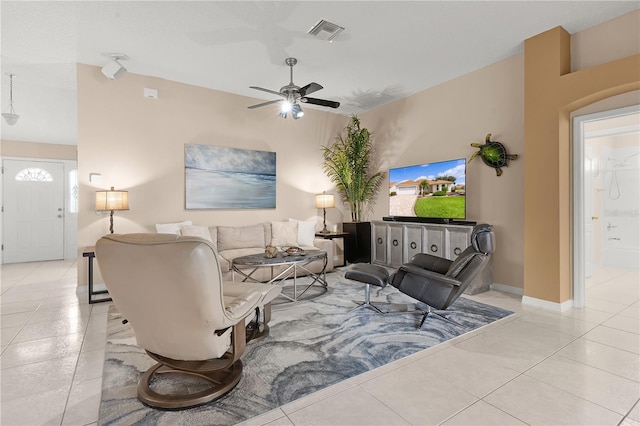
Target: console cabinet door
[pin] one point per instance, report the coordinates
(395, 245)
(434, 241)
(379, 243)
(412, 242)
(458, 239)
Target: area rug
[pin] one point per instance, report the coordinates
(312, 344)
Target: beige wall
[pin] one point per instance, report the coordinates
(611, 40)
(37, 150)
(440, 124)
(137, 144)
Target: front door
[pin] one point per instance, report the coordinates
(33, 203)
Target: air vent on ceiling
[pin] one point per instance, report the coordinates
(325, 30)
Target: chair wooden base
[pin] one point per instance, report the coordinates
(223, 373)
(223, 381)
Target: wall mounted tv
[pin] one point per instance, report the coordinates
(430, 192)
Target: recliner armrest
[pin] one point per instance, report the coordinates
(243, 305)
(409, 268)
(431, 263)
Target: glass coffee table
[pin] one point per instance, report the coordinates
(246, 266)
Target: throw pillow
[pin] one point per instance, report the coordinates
(196, 231)
(306, 231)
(171, 228)
(284, 234)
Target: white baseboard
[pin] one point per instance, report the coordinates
(507, 289)
(545, 304)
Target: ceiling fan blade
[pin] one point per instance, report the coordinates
(266, 90)
(309, 88)
(321, 102)
(264, 104)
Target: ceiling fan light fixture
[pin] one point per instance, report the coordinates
(291, 94)
(296, 112)
(10, 117)
(285, 106)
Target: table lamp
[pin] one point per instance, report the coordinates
(112, 200)
(324, 201)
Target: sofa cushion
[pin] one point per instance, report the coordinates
(237, 237)
(306, 231)
(284, 234)
(196, 231)
(171, 228)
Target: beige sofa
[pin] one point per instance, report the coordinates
(235, 241)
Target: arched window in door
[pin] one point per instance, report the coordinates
(34, 174)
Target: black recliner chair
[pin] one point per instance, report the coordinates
(438, 282)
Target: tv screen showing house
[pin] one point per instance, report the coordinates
(430, 190)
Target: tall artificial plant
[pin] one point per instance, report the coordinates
(347, 163)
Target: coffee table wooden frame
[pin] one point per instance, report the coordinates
(293, 262)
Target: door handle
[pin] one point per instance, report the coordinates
(594, 217)
(59, 215)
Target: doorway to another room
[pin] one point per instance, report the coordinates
(606, 205)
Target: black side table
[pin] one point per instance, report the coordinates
(90, 254)
(334, 235)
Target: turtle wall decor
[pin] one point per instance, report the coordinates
(493, 154)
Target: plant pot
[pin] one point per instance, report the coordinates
(357, 245)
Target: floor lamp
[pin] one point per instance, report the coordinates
(112, 200)
(324, 201)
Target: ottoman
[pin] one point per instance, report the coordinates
(369, 275)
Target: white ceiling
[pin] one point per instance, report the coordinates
(389, 50)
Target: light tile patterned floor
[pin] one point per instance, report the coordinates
(536, 367)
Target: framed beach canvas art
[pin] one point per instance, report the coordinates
(229, 178)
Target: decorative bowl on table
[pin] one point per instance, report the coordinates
(290, 251)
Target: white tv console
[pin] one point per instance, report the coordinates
(395, 243)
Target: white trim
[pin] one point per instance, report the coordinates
(507, 289)
(612, 132)
(545, 304)
(70, 219)
(578, 278)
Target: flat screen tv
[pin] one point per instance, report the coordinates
(431, 191)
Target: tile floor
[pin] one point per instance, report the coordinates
(537, 367)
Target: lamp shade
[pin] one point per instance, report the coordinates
(112, 200)
(324, 201)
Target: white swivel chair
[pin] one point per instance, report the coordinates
(170, 290)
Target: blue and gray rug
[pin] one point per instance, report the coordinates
(313, 343)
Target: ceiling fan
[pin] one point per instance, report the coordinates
(293, 94)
